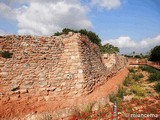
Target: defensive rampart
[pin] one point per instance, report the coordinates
(49, 68)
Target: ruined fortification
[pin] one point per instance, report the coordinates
(49, 68)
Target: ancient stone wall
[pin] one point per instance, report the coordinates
(49, 68)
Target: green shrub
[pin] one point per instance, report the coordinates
(131, 70)
(136, 77)
(140, 75)
(126, 81)
(148, 69)
(93, 37)
(154, 77)
(141, 67)
(120, 93)
(6, 54)
(157, 87)
(117, 97)
(138, 90)
(112, 97)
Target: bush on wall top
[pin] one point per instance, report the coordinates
(93, 37)
(6, 54)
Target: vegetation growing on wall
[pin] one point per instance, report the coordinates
(91, 35)
(6, 54)
(107, 48)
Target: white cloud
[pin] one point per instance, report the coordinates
(127, 45)
(107, 4)
(6, 11)
(123, 42)
(45, 17)
(149, 42)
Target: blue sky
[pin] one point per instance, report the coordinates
(135, 18)
(131, 25)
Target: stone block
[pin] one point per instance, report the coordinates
(80, 76)
(78, 94)
(70, 33)
(14, 87)
(46, 98)
(40, 99)
(96, 106)
(31, 91)
(79, 85)
(74, 71)
(52, 98)
(81, 80)
(75, 92)
(51, 88)
(42, 83)
(42, 89)
(29, 83)
(42, 79)
(1, 94)
(63, 84)
(80, 71)
(104, 101)
(22, 91)
(73, 57)
(58, 90)
(14, 97)
(1, 62)
(3, 74)
(58, 70)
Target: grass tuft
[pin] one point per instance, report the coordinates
(112, 97)
(131, 70)
(136, 89)
(120, 93)
(141, 75)
(136, 77)
(126, 82)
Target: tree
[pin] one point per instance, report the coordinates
(134, 53)
(57, 34)
(91, 35)
(155, 54)
(141, 54)
(108, 48)
(137, 56)
(67, 30)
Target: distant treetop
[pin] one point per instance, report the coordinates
(155, 54)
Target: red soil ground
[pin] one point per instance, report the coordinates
(23, 107)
